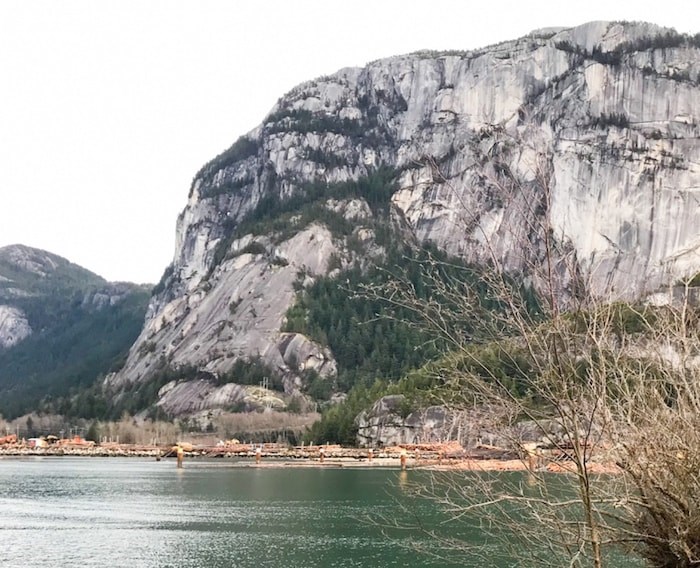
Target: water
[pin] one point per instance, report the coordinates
(139, 513)
(111, 512)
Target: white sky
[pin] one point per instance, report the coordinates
(108, 108)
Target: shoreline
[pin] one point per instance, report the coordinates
(277, 457)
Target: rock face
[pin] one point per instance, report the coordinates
(387, 423)
(14, 326)
(589, 136)
(384, 425)
(237, 312)
(32, 261)
(189, 397)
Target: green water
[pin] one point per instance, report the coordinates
(94, 512)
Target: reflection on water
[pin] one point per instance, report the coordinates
(403, 479)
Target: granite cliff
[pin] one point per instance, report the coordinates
(590, 133)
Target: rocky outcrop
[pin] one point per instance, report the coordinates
(301, 354)
(30, 260)
(187, 397)
(14, 326)
(108, 295)
(387, 424)
(589, 136)
(29, 267)
(390, 421)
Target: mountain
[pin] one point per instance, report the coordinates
(589, 136)
(61, 327)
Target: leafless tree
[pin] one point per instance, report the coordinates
(654, 423)
(603, 384)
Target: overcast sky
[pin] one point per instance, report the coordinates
(108, 108)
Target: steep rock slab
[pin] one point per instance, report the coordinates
(237, 312)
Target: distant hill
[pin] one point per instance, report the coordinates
(61, 327)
